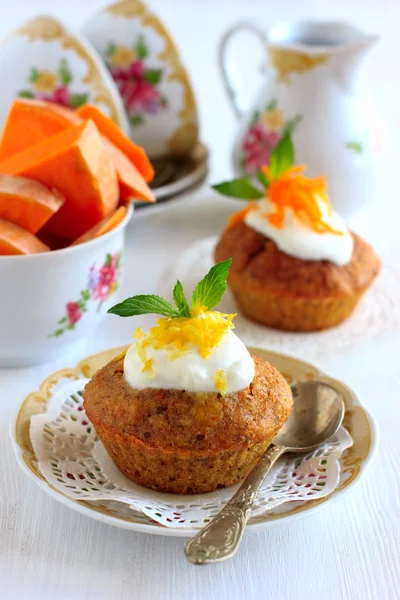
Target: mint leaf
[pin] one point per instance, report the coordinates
(282, 156)
(144, 305)
(153, 76)
(180, 300)
(240, 188)
(211, 288)
(262, 179)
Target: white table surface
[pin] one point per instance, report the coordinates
(349, 550)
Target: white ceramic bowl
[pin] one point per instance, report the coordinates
(49, 302)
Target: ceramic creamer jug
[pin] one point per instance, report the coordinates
(314, 89)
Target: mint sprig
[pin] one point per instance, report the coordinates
(180, 300)
(282, 158)
(211, 288)
(241, 189)
(207, 294)
(144, 305)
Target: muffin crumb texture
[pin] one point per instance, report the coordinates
(289, 293)
(186, 442)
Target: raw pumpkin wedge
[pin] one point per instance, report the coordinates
(77, 163)
(103, 227)
(27, 203)
(31, 121)
(16, 240)
(132, 185)
(110, 130)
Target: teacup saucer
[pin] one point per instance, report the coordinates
(175, 176)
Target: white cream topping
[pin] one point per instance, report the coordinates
(296, 239)
(189, 371)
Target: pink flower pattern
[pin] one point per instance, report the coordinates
(102, 283)
(137, 83)
(264, 132)
(54, 86)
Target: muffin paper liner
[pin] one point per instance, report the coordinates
(74, 461)
(376, 313)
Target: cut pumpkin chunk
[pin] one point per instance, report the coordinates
(76, 162)
(31, 121)
(27, 203)
(132, 185)
(16, 240)
(110, 130)
(103, 227)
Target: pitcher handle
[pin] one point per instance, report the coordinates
(231, 83)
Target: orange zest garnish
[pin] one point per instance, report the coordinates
(237, 217)
(301, 194)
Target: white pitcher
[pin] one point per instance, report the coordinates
(315, 90)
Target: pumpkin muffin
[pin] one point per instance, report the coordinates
(186, 442)
(295, 265)
(187, 409)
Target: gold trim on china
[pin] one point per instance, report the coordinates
(286, 62)
(47, 29)
(185, 137)
(355, 421)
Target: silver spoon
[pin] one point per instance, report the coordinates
(317, 414)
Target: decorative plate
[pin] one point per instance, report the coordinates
(353, 461)
(42, 59)
(146, 67)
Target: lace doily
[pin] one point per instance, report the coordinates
(377, 312)
(75, 462)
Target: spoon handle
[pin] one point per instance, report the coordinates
(220, 539)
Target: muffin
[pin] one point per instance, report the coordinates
(187, 409)
(295, 265)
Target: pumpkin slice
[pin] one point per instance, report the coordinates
(103, 227)
(110, 130)
(132, 185)
(77, 163)
(55, 242)
(16, 240)
(31, 121)
(27, 203)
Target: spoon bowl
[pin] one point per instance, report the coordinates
(317, 414)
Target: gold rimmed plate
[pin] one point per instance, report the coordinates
(353, 462)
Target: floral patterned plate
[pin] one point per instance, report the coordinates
(145, 65)
(353, 462)
(42, 59)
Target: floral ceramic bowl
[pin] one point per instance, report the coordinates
(49, 302)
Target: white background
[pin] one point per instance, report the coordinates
(349, 550)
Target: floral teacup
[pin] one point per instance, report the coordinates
(145, 65)
(54, 300)
(43, 60)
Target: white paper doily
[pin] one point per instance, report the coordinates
(75, 462)
(377, 312)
